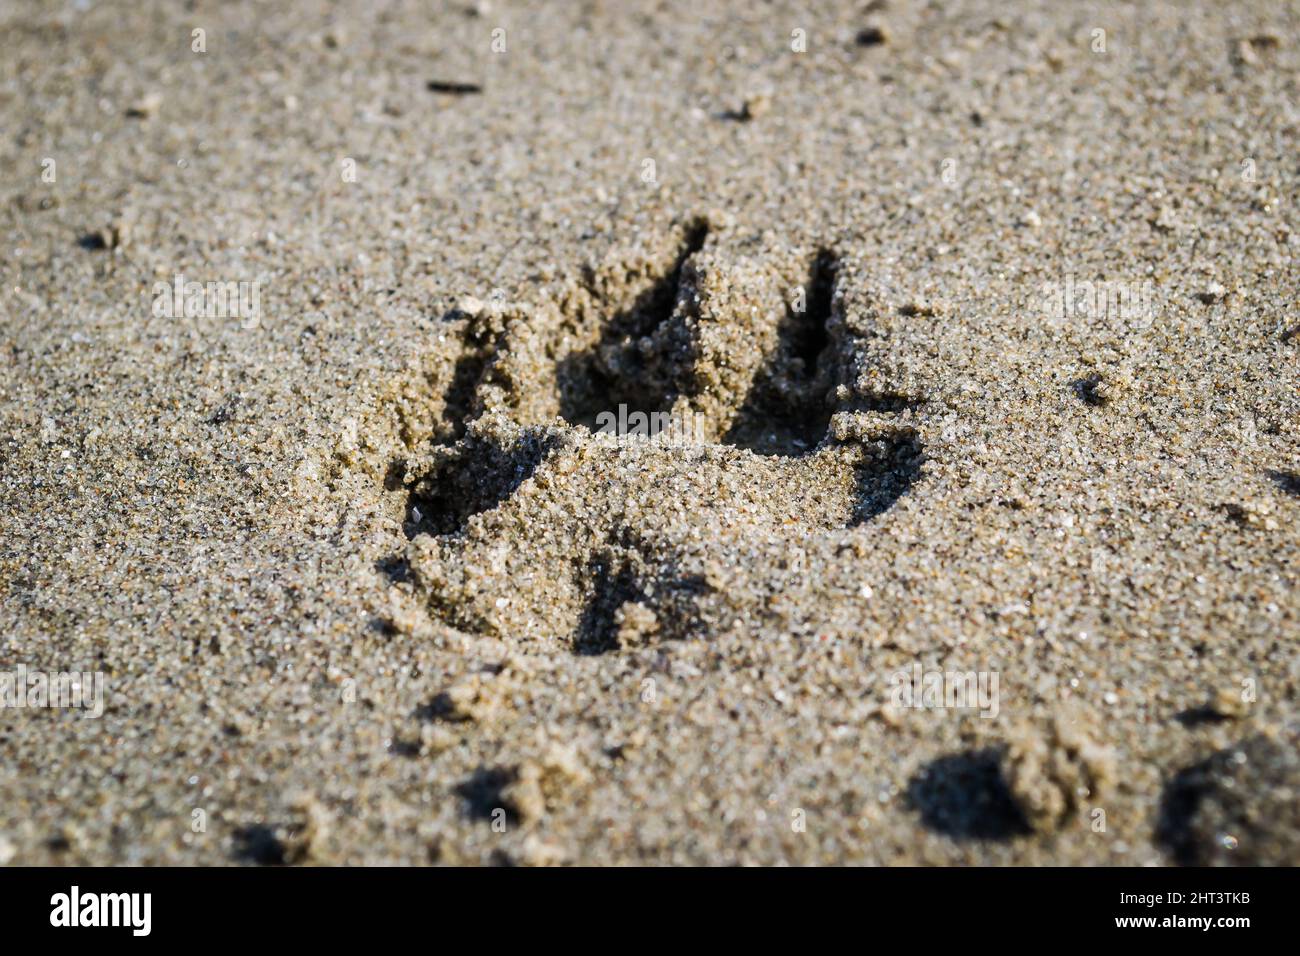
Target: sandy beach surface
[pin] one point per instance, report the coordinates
(333, 338)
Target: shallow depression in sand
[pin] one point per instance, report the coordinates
(681, 394)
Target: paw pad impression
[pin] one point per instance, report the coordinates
(613, 450)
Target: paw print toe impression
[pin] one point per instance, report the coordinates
(610, 447)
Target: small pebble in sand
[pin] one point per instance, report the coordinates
(1212, 293)
(454, 87)
(146, 106)
(1165, 220)
(1250, 50)
(872, 35)
(1227, 703)
(921, 307)
(434, 739)
(463, 700)
(1094, 390)
(755, 106)
(470, 305)
(116, 234)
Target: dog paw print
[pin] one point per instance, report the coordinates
(616, 447)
